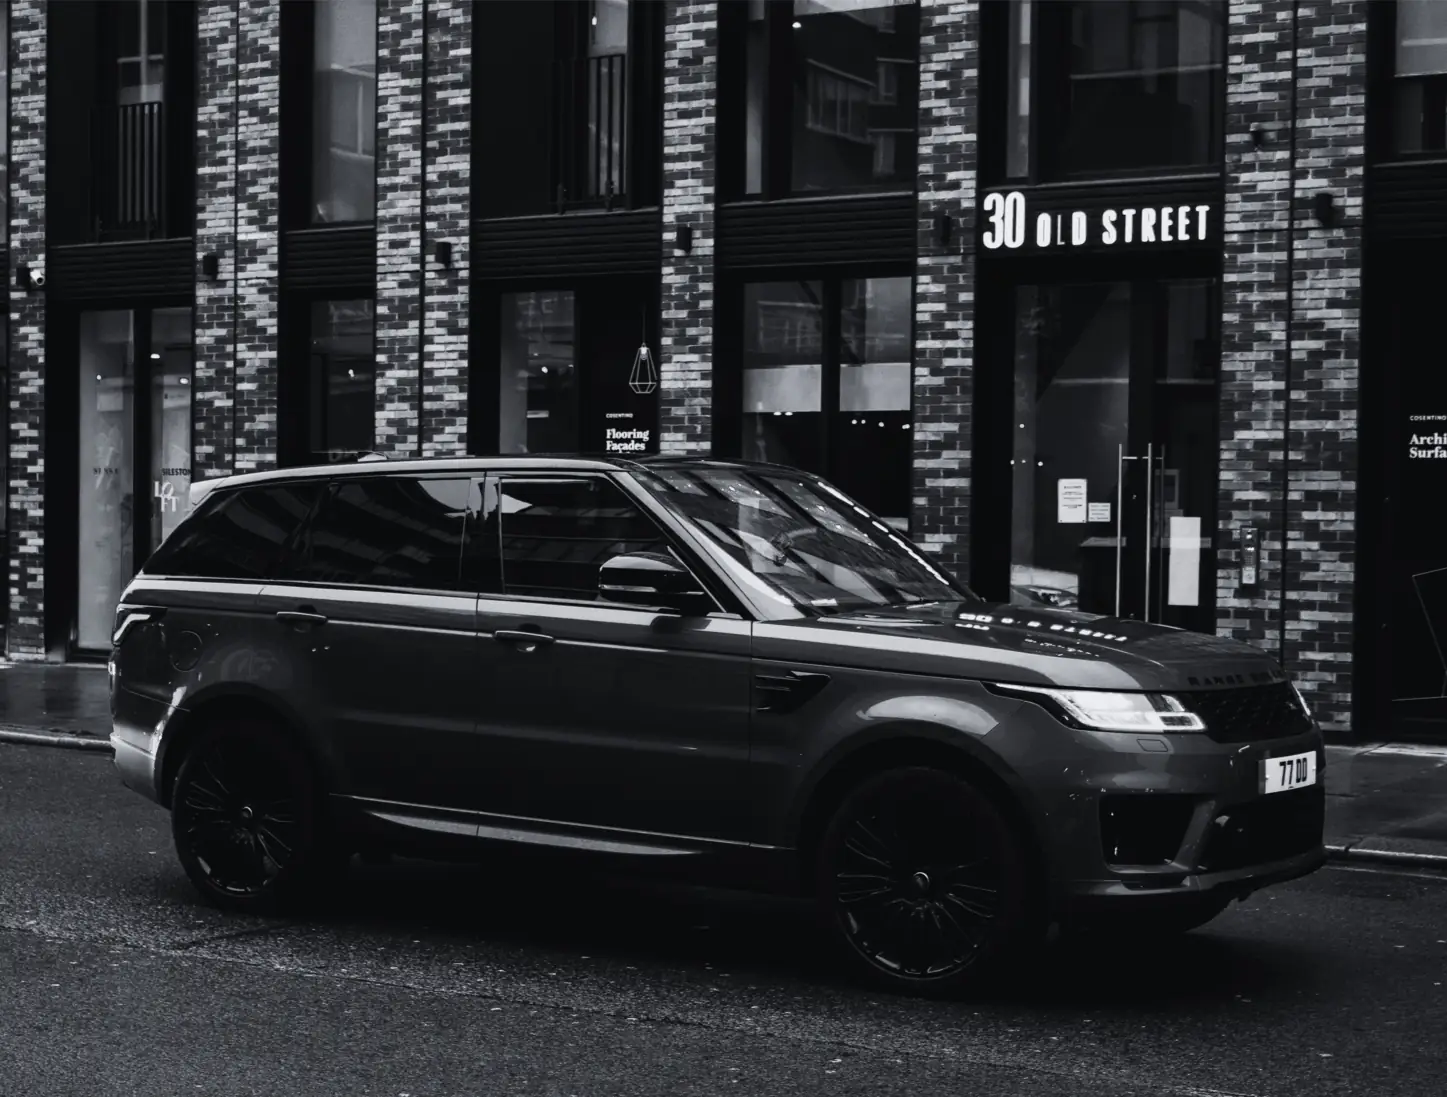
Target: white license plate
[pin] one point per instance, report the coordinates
(1285, 774)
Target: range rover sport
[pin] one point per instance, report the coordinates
(694, 661)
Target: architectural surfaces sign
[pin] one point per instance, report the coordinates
(1011, 221)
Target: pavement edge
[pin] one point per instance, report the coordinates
(37, 738)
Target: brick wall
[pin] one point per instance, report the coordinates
(258, 244)
(399, 225)
(944, 280)
(25, 527)
(214, 383)
(1325, 349)
(690, 82)
(1253, 314)
(447, 209)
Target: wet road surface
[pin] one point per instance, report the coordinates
(534, 979)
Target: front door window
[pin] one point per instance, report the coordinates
(1113, 464)
(135, 452)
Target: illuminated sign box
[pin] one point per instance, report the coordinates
(1014, 221)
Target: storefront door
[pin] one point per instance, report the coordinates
(1113, 449)
(134, 452)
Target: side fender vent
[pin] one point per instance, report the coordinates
(787, 692)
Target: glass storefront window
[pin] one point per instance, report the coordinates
(1114, 455)
(343, 378)
(842, 413)
(135, 451)
(1420, 84)
(538, 378)
(344, 111)
(836, 84)
(1077, 67)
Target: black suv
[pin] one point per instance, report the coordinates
(697, 663)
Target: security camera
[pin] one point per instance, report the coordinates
(37, 279)
(29, 277)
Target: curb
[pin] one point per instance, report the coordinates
(1387, 857)
(38, 738)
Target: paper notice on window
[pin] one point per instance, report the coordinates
(1183, 562)
(1099, 512)
(1070, 505)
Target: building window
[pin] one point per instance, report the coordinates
(1419, 85)
(823, 95)
(538, 379)
(826, 384)
(344, 111)
(342, 400)
(569, 95)
(1074, 68)
(4, 126)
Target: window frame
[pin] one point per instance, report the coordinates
(1049, 77)
(1383, 86)
(486, 569)
(727, 418)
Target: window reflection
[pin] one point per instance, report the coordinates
(843, 91)
(538, 379)
(783, 373)
(1420, 92)
(343, 378)
(344, 111)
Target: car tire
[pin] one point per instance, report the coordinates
(923, 884)
(247, 821)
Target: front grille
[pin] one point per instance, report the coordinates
(1278, 826)
(1143, 828)
(1247, 714)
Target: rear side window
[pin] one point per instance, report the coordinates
(237, 534)
(392, 531)
(556, 533)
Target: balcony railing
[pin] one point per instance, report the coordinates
(128, 171)
(591, 132)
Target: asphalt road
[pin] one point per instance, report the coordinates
(533, 979)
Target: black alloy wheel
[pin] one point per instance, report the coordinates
(244, 816)
(922, 882)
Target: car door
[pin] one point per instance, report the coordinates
(595, 713)
(380, 633)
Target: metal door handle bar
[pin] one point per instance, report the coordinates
(521, 636)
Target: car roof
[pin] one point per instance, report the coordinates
(378, 464)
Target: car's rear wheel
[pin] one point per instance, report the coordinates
(247, 821)
(923, 882)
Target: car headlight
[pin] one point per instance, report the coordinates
(1104, 710)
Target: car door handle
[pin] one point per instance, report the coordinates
(301, 619)
(523, 638)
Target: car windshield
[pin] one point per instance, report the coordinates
(799, 541)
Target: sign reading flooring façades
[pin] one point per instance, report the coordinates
(1007, 223)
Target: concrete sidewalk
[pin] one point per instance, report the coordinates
(1385, 802)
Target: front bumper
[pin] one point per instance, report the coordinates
(1139, 819)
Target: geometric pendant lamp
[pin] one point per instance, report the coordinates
(643, 378)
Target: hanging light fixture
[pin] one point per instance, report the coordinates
(643, 377)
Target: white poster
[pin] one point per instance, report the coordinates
(1183, 564)
(1099, 512)
(1070, 503)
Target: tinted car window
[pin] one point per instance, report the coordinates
(554, 534)
(237, 534)
(394, 531)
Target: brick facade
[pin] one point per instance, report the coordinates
(1291, 335)
(944, 288)
(690, 82)
(1290, 345)
(258, 239)
(25, 525)
(447, 209)
(399, 226)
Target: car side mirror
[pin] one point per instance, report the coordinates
(651, 579)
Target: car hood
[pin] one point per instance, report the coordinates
(1027, 645)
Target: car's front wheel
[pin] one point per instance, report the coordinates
(246, 820)
(923, 882)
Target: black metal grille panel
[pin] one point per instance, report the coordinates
(1248, 714)
(1278, 826)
